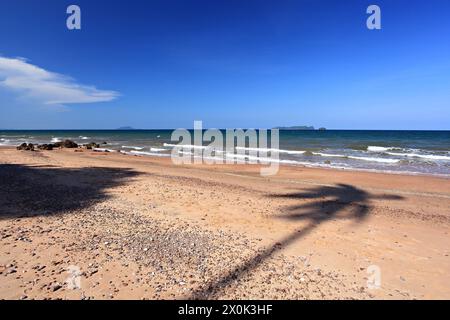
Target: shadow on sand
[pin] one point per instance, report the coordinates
(342, 201)
(49, 190)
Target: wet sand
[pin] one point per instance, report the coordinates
(92, 225)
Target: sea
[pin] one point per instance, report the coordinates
(410, 152)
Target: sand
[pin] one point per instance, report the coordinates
(93, 225)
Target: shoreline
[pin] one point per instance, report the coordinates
(142, 227)
(302, 165)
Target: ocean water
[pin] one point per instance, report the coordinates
(414, 152)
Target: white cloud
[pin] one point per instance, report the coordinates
(47, 87)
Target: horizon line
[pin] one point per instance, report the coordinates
(255, 128)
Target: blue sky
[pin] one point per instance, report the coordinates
(230, 63)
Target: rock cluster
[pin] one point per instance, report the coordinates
(25, 146)
(65, 144)
(61, 144)
(45, 146)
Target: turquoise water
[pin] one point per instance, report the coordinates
(426, 152)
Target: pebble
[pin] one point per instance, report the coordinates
(10, 271)
(56, 287)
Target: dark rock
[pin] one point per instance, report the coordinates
(69, 144)
(45, 146)
(24, 146)
(65, 144)
(92, 145)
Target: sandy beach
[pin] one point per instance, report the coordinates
(142, 228)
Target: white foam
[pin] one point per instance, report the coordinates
(132, 147)
(186, 146)
(340, 166)
(418, 155)
(142, 148)
(190, 146)
(56, 139)
(143, 153)
(242, 158)
(410, 154)
(329, 155)
(83, 138)
(271, 150)
(382, 160)
(103, 150)
(251, 157)
(378, 149)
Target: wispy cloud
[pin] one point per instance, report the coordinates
(47, 87)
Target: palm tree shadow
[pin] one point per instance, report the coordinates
(342, 201)
(329, 202)
(50, 190)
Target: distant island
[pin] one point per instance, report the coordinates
(300, 128)
(126, 128)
